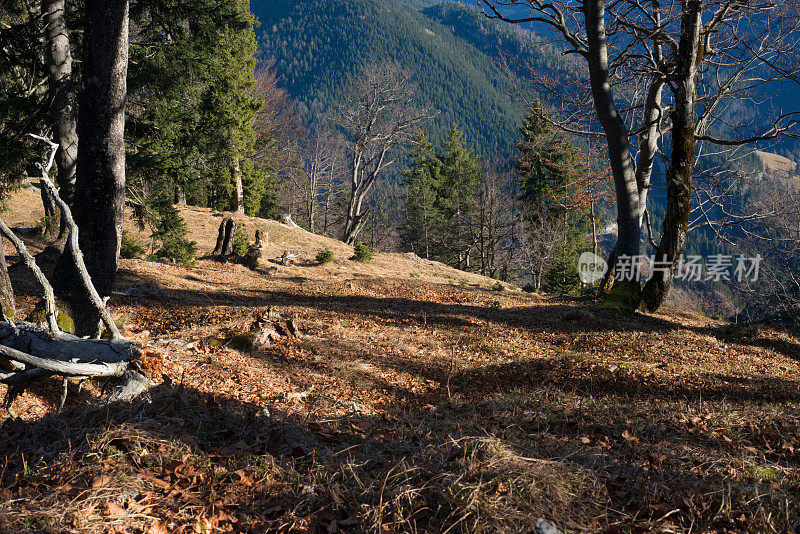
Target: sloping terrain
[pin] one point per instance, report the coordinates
(407, 404)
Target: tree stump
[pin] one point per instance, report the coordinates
(225, 238)
(254, 253)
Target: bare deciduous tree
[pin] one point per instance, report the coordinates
(670, 71)
(377, 115)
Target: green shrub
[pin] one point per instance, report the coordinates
(325, 255)
(130, 246)
(170, 231)
(498, 286)
(241, 243)
(362, 253)
(529, 288)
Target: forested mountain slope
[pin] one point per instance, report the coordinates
(451, 51)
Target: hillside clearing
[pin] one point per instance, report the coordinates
(425, 403)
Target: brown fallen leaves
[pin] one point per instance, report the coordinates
(416, 407)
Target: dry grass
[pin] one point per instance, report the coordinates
(436, 407)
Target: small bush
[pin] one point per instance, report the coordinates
(414, 275)
(529, 288)
(130, 247)
(170, 230)
(325, 255)
(498, 286)
(362, 253)
(241, 243)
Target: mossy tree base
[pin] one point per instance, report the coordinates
(624, 297)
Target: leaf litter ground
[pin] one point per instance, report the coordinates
(411, 404)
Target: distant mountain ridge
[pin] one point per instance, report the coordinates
(451, 50)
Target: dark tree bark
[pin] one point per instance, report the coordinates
(100, 185)
(220, 236)
(62, 95)
(225, 239)
(682, 160)
(230, 237)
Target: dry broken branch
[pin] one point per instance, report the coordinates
(77, 255)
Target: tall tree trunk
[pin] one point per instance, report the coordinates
(311, 201)
(648, 144)
(58, 57)
(355, 216)
(679, 175)
(100, 185)
(627, 193)
(236, 172)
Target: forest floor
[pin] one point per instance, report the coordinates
(416, 399)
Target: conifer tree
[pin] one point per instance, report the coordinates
(420, 214)
(554, 195)
(457, 170)
(442, 188)
(232, 111)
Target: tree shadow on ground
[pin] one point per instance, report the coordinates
(537, 317)
(564, 317)
(493, 446)
(417, 465)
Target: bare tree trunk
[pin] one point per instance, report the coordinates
(236, 172)
(100, 184)
(58, 57)
(7, 304)
(353, 223)
(221, 236)
(311, 200)
(230, 237)
(356, 214)
(627, 193)
(679, 175)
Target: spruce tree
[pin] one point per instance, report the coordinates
(419, 213)
(231, 111)
(553, 193)
(457, 171)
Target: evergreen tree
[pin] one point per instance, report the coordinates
(191, 130)
(442, 188)
(457, 171)
(419, 213)
(231, 110)
(553, 184)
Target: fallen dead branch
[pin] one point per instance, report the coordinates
(29, 352)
